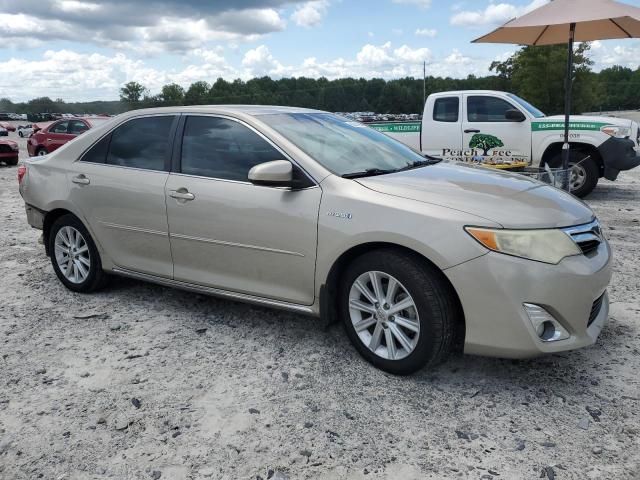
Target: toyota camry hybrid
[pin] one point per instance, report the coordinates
(307, 211)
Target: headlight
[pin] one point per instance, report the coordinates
(548, 246)
(618, 132)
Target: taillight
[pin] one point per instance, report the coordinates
(22, 171)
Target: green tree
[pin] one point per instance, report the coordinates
(485, 142)
(197, 94)
(172, 94)
(132, 93)
(538, 73)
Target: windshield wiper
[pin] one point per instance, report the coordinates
(369, 172)
(421, 163)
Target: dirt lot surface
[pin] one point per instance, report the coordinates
(146, 382)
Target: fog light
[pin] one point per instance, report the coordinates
(546, 327)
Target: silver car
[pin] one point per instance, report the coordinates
(307, 211)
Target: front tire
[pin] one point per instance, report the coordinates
(584, 173)
(399, 311)
(41, 152)
(74, 255)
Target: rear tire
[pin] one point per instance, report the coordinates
(12, 162)
(584, 174)
(74, 255)
(421, 334)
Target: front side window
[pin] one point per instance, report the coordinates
(60, 127)
(221, 148)
(487, 109)
(446, 109)
(76, 127)
(141, 143)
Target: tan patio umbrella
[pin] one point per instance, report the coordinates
(566, 21)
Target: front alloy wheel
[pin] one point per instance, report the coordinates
(384, 315)
(399, 310)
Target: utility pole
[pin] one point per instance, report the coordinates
(424, 83)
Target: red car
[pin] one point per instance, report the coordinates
(9, 152)
(58, 133)
(7, 126)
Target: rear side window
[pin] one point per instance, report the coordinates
(59, 127)
(141, 143)
(97, 153)
(487, 109)
(220, 148)
(446, 109)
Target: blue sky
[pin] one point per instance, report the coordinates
(85, 49)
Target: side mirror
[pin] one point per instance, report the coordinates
(515, 115)
(278, 173)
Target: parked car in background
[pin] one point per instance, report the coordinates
(56, 134)
(311, 212)
(25, 131)
(9, 152)
(3, 132)
(7, 126)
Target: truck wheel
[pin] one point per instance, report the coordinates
(584, 173)
(74, 255)
(398, 311)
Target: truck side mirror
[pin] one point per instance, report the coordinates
(514, 115)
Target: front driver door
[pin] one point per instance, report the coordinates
(490, 136)
(230, 234)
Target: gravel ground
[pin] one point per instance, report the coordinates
(141, 381)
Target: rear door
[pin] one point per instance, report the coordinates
(490, 137)
(119, 186)
(230, 234)
(442, 126)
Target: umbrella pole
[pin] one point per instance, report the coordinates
(567, 109)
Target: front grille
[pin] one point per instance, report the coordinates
(588, 237)
(595, 309)
(6, 149)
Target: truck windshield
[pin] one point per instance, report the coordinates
(344, 147)
(527, 106)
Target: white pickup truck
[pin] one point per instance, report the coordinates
(502, 130)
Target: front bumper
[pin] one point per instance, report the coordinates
(494, 287)
(618, 154)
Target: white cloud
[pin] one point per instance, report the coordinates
(419, 3)
(311, 13)
(493, 14)
(426, 32)
(605, 54)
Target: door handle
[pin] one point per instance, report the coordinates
(182, 194)
(472, 130)
(81, 180)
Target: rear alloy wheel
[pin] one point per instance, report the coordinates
(74, 255)
(398, 310)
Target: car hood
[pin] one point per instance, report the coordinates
(512, 200)
(621, 122)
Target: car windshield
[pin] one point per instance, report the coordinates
(344, 147)
(527, 106)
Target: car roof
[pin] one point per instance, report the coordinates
(251, 110)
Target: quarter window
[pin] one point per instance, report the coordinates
(221, 148)
(141, 143)
(60, 127)
(446, 109)
(98, 152)
(487, 109)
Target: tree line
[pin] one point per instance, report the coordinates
(535, 73)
